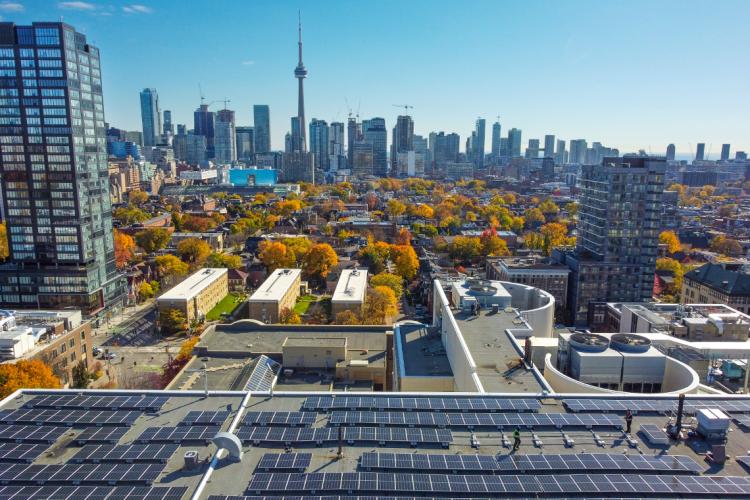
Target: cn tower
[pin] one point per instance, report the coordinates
(300, 73)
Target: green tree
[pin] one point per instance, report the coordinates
(81, 376)
(392, 281)
(228, 261)
(153, 240)
(465, 248)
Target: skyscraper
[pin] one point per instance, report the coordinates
(496, 136)
(700, 151)
(319, 143)
(262, 128)
(618, 234)
(225, 137)
(549, 146)
(670, 152)
(477, 143)
(578, 151)
(532, 151)
(374, 132)
(57, 205)
(514, 142)
(724, 152)
(353, 136)
(336, 158)
(168, 127)
(561, 155)
(245, 143)
(203, 124)
(300, 73)
(150, 117)
(403, 138)
(444, 149)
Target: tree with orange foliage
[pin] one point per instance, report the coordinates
(405, 259)
(403, 237)
(275, 254)
(492, 244)
(196, 223)
(124, 246)
(4, 249)
(26, 374)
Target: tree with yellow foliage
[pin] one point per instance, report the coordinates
(194, 251)
(4, 249)
(319, 261)
(405, 260)
(170, 265)
(394, 208)
(381, 306)
(275, 255)
(392, 281)
(347, 317)
(492, 244)
(26, 374)
(672, 241)
(289, 317)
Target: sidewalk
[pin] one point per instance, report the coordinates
(127, 314)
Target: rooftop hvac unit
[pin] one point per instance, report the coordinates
(712, 423)
(191, 460)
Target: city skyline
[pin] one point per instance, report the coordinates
(553, 82)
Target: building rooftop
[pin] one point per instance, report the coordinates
(193, 284)
(725, 278)
(460, 447)
(276, 285)
(422, 352)
(351, 287)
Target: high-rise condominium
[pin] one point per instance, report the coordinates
(444, 149)
(560, 154)
(319, 143)
(168, 127)
(353, 136)
(245, 144)
(55, 191)
(670, 152)
(203, 124)
(724, 152)
(262, 128)
(150, 117)
(618, 234)
(496, 139)
(477, 143)
(375, 133)
(225, 140)
(403, 138)
(336, 158)
(514, 142)
(532, 151)
(549, 146)
(700, 151)
(578, 151)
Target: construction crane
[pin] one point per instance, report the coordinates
(405, 106)
(226, 101)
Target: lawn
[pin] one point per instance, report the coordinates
(304, 303)
(225, 305)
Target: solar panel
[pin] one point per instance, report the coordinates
(263, 374)
(411, 419)
(75, 418)
(279, 418)
(320, 435)
(598, 461)
(31, 434)
(421, 462)
(128, 453)
(744, 461)
(182, 434)
(205, 418)
(532, 420)
(67, 474)
(291, 462)
(20, 452)
(742, 421)
(654, 434)
(378, 483)
(729, 405)
(464, 404)
(92, 492)
(109, 435)
(98, 402)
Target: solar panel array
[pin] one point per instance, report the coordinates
(205, 418)
(744, 461)
(182, 434)
(98, 402)
(92, 492)
(470, 404)
(484, 484)
(80, 473)
(656, 405)
(109, 435)
(280, 418)
(393, 436)
(653, 434)
(291, 462)
(599, 462)
(411, 462)
(263, 374)
(69, 417)
(128, 453)
(20, 452)
(531, 420)
(421, 418)
(742, 420)
(31, 434)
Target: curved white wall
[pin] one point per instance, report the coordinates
(678, 378)
(535, 305)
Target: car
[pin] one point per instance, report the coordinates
(109, 355)
(97, 351)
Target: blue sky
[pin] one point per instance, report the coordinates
(634, 74)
